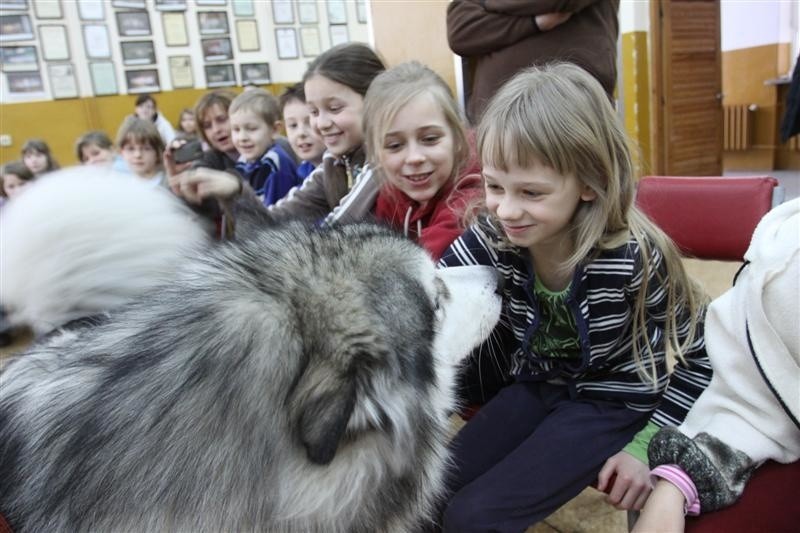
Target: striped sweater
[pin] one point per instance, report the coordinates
(601, 296)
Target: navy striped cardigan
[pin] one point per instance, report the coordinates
(601, 296)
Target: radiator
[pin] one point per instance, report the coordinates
(737, 123)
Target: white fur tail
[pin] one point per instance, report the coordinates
(83, 241)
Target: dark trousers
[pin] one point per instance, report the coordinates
(529, 450)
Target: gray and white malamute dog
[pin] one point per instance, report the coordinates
(293, 380)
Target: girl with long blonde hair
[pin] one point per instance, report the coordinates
(594, 296)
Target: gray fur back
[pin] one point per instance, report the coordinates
(285, 382)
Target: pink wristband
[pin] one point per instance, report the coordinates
(678, 477)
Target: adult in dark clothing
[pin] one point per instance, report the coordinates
(497, 38)
(790, 126)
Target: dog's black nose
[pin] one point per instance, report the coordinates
(501, 282)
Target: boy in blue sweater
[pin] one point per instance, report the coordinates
(255, 119)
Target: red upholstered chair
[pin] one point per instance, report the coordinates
(714, 218)
(709, 217)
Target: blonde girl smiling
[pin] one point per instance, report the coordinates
(594, 295)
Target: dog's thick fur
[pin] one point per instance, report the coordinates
(294, 380)
(82, 241)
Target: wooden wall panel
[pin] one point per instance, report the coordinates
(744, 72)
(414, 30)
(61, 122)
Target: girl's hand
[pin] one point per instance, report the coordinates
(201, 183)
(663, 512)
(632, 484)
(548, 21)
(170, 166)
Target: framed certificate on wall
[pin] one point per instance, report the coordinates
(220, 76)
(23, 57)
(44, 9)
(180, 70)
(174, 29)
(218, 49)
(212, 22)
(95, 41)
(255, 73)
(15, 28)
(104, 79)
(286, 41)
(55, 46)
(91, 10)
(62, 81)
(133, 23)
(142, 81)
(24, 82)
(138, 53)
(247, 35)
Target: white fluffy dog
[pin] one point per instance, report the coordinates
(82, 241)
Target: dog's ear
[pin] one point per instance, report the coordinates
(323, 417)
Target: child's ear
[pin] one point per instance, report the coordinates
(588, 194)
(277, 127)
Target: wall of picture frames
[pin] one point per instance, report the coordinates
(60, 49)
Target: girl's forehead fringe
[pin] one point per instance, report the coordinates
(504, 145)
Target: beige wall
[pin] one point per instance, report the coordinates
(406, 30)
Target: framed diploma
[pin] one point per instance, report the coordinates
(307, 11)
(55, 46)
(247, 35)
(337, 12)
(174, 29)
(24, 82)
(15, 28)
(243, 8)
(135, 4)
(220, 76)
(18, 57)
(171, 5)
(255, 74)
(91, 10)
(15, 5)
(104, 79)
(309, 41)
(282, 12)
(211, 2)
(286, 41)
(138, 53)
(95, 41)
(180, 70)
(218, 49)
(212, 22)
(339, 34)
(133, 23)
(45, 9)
(62, 81)
(361, 11)
(142, 81)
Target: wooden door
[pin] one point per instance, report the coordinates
(687, 87)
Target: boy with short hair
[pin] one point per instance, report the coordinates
(302, 138)
(141, 147)
(263, 163)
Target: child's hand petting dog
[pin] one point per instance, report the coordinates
(198, 184)
(626, 480)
